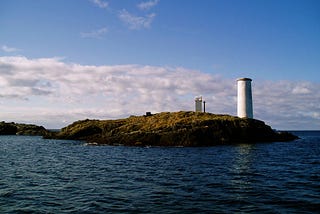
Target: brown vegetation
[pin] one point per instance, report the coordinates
(172, 129)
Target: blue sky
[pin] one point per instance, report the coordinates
(67, 60)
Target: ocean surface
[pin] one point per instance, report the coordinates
(55, 176)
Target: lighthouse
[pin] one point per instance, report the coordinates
(245, 109)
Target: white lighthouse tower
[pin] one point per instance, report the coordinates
(198, 104)
(245, 109)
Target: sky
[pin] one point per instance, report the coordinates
(63, 61)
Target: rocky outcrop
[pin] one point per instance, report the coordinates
(172, 129)
(21, 129)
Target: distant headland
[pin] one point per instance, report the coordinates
(184, 128)
(21, 129)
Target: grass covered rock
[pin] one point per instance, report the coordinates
(172, 129)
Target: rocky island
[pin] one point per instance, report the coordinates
(21, 129)
(172, 129)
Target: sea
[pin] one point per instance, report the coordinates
(58, 176)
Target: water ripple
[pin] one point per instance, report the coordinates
(51, 176)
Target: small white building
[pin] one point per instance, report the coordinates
(198, 104)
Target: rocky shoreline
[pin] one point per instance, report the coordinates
(172, 129)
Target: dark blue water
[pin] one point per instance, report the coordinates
(50, 176)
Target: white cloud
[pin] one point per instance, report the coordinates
(301, 88)
(136, 22)
(8, 49)
(288, 104)
(95, 34)
(147, 5)
(50, 92)
(100, 3)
